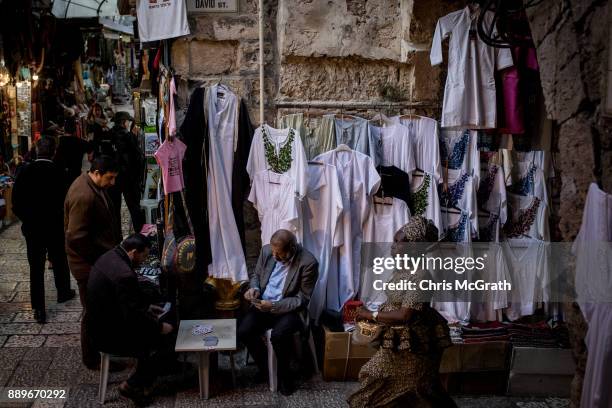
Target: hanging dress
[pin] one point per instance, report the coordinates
(318, 134)
(227, 254)
(358, 181)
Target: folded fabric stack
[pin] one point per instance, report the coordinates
(483, 333)
(538, 335)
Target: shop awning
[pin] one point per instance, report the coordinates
(84, 8)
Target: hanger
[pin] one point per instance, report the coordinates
(450, 210)
(381, 199)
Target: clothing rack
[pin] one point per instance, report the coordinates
(352, 104)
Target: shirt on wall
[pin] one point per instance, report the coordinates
(469, 94)
(354, 132)
(169, 156)
(161, 19)
(459, 151)
(393, 147)
(273, 195)
(318, 133)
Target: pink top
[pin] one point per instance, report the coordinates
(169, 156)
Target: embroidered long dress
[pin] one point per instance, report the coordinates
(404, 371)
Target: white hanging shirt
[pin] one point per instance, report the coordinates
(278, 137)
(226, 248)
(459, 151)
(469, 94)
(528, 180)
(358, 181)
(528, 266)
(492, 191)
(460, 194)
(593, 250)
(527, 218)
(423, 133)
(161, 19)
(382, 224)
(495, 270)
(273, 195)
(323, 230)
(425, 200)
(393, 147)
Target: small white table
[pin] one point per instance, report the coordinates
(223, 329)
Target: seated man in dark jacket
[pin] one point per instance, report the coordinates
(120, 320)
(280, 290)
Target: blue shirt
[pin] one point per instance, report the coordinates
(274, 288)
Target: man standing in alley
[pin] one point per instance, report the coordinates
(91, 230)
(130, 160)
(38, 201)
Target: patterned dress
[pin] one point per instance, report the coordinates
(404, 371)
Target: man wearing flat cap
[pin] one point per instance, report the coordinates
(130, 159)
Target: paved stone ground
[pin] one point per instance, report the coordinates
(34, 355)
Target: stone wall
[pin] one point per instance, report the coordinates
(572, 41)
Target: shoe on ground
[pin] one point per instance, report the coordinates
(64, 297)
(40, 316)
(286, 387)
(113, 367)
(136, 395)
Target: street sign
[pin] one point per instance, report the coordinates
(212, 6)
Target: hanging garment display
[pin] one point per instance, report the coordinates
(169, 156)
(527, 218)
(358, 180)
(382, 224)
(491, 195)
(528, 264)
(393, 147)
(282, 151)
(489, 227)
(423, 132)
(355, 133)
(227, 254)
(528, 180)
(394, 183)
(459, 193)
(469, 94)
(160, 20)
(273, 196)
(424, 199)
(459, 151)
(194, 132)
(318, 133)
(456, 225)
(594, 290)
(495, 270)
(323, 230)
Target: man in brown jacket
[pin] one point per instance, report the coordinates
(91, 230)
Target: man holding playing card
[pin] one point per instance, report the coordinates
(279, 292)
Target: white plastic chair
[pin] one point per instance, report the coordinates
(272, 364)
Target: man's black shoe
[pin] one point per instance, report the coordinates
(64, 297)
(286, 387)
(136, 395)
(40, 316)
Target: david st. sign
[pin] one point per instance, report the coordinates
(212, 6)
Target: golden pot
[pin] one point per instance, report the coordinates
(228, 293)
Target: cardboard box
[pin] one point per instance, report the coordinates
(461, 358)
(343, 359)
(541, 372)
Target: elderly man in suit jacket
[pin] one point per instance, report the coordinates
(280, 289)
(91, 230)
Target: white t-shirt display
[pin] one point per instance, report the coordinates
(460, 194)
(469, 94)
(495, 270)
(382, 224)
(425, 200)
(423, 133)
(358, 181)
(273, 195)
(278, 137)
(527, 218)
(459, 151)
(492, 192)
(393, 147)
(593, 250)
(528, 265)
(161, 19)
(322, 228)
(528, 180)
